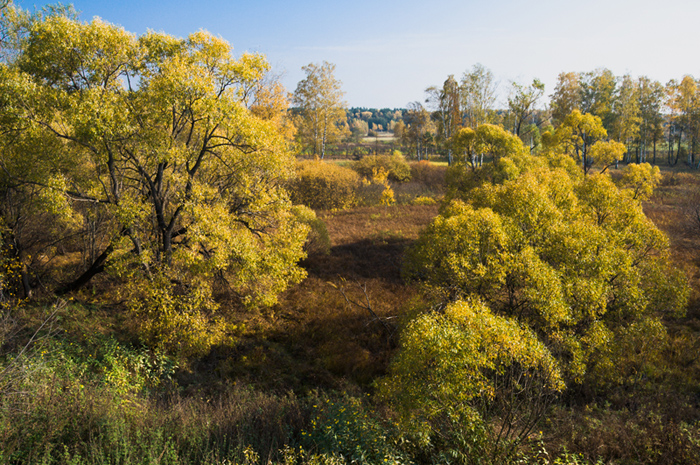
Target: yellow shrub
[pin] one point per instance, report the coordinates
(395, 166)
(324, 186)
(423, 200)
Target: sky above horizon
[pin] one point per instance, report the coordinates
(388, 52)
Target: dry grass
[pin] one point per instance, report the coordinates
(674, 210)
(314, 338)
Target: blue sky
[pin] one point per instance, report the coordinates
(387, 52)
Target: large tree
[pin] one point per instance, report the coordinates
(651, 96)
(625, 126)
(566, 97)
(583, 137)
(598, 93)
(571, 257)
(154, 133)
(418, 129)
(319, 101)
(684, 103)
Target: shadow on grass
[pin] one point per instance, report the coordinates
(375, 258)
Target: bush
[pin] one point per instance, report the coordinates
(324, 186)
(422, 200)
(457, 367)
(345, 428)
(428, 174)
(395, 166)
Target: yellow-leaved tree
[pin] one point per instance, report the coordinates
(155, 134)
(568, 262)
(573, 258)
(582, 136)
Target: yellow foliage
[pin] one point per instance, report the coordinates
(174, 319)
(394, 167)
(156, 134)
(388, 196)
(379, 175)
(324, 186)
(640, 179)
(572, 257)
(422, 200)
(461, 360)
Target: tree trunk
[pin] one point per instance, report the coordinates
(97, 267)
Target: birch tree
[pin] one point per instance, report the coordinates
(319, 99)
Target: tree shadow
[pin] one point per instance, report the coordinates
(376, 258)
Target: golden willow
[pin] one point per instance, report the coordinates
(154, 136)
(543, 275)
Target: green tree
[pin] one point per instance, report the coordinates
(495, 142)
(319, 100)
(155, 133)
(626, 121)
(651, 128)
(598, 93)
(418, 129)
(463, 146)
(685, 110)
(522, 104)
(446, 111)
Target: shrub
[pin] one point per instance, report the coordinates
(324, 186)
(422, 200)
(428, 174)
(345, 428)
(394, 165)
(457, 367)
(369, 193)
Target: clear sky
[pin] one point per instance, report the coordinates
(388, 51)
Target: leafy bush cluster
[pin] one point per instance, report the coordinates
(324, 186)
(570, 259)
(373, 180)
(395, 165)
(344, 427)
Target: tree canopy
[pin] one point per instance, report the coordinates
(151, 141)
(572, 257)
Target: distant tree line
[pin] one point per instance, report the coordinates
(370, 121)
(651, 119)
(645, 115)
